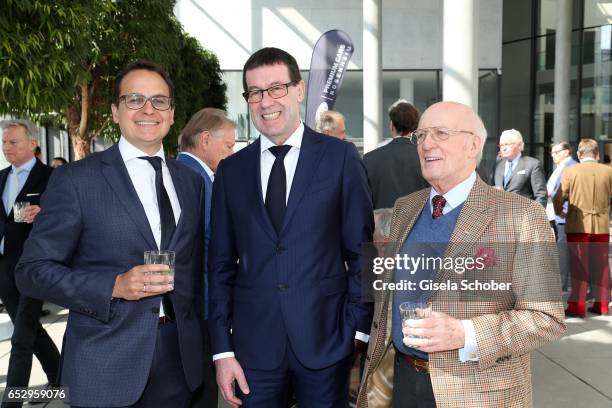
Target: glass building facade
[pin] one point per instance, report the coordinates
(527, 97)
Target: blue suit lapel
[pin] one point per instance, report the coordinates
(306, 166)
(181, 193)
(118, 179)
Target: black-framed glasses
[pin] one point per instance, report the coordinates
(438, 134)
(136, 101)
(275, 91)
(553, 152)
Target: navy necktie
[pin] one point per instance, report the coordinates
(276, 193)
(166, 215)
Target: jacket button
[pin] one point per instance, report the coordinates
(282, 286)
(155, 310)
(279, 249)
(375, 324)
(368, 357)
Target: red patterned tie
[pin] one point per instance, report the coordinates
(438, 204)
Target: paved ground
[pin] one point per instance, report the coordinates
(573, 372)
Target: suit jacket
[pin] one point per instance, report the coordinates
(527, 179)
(93, 227)
(508, 324)
(15, 234)
(588, 188)
(195, 166)
(302, 286)
(394, 170)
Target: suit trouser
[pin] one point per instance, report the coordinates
(324, 388)
(411, 389)
(207, 395)
(589, 261)
(29, 337)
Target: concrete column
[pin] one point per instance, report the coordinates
(407, 89)
(372, 74)
(460, 52)
(563, 43)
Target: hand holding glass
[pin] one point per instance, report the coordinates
(18, 210)
(414, 311)
(161, 257)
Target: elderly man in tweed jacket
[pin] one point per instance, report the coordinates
(473, 351)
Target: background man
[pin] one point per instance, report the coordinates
(517, 173)
(562, 157)
(208, 138)
(24, 180)
(473, 350)
(331, 123)
(289, 214)
(393, 169)
(134, 336)
(58, 161)
(587, 187)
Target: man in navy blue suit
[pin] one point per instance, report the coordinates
(208, 138)
(134, 335)
(289, 215)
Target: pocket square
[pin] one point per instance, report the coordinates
(521, 172)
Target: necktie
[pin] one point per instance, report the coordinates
(438, 205)
(276, 193)
(14, 190)
(166, 215)
(508, 173)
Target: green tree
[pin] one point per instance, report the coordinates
(58, 59)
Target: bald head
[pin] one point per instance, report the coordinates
(453, 138)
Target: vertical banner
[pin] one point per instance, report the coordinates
(330, 58)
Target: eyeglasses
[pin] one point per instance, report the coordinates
(275, 91)
(438, 134)
(136, 101)
(553, 152)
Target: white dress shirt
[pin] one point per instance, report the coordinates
(142, 175)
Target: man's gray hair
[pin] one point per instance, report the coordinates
(28, 125)
(207, 119)
(327, 121)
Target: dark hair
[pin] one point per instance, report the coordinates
(144, 65)
(404, 117)
(271, 56)
(562, 145)
(60, 159)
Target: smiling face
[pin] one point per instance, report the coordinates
(145, 128)
(447, 163)
(275, 118)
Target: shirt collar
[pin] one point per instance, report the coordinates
(295, 140)
(129, 151)
(27, 166)
(458, 194)
(207, 169)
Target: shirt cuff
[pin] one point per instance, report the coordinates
(469, 352)
(223, 355)
(362, 336)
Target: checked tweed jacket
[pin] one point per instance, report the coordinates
(508, 324)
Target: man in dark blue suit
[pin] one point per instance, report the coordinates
(134, 335)
(208, 138)
(289, 215)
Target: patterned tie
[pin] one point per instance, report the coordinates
(276, 193)
(438, 205)
(14, 190)
(166, 215)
